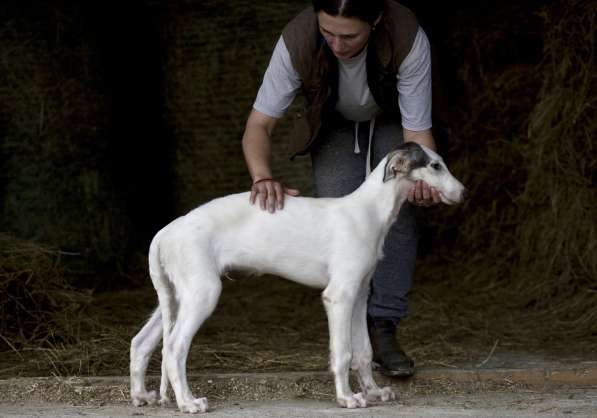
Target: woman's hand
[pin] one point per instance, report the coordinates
(270, 194)
(257, 151)
(423, 195)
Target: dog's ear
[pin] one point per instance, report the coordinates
(398, 162)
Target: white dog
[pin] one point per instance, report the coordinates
(333, 244)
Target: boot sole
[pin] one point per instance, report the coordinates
(393, 373)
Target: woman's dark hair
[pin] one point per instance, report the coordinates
(366, 10)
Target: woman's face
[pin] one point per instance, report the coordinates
(346, 36)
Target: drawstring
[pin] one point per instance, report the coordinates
(357, 149)
(371, 129)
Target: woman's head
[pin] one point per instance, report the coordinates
(366, 10)
(347, 24)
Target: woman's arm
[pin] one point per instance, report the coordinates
(257, 151)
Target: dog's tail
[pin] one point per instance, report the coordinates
(162, 284)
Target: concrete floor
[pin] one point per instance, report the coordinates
(509, 386)
(562, 403)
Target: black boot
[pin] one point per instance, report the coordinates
(387, 353)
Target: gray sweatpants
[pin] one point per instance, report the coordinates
(338, 171)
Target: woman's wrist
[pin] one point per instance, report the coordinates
(262, 179)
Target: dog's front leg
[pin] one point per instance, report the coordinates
(362, 353)
(338, 299)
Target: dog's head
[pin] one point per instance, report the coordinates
(417, 162)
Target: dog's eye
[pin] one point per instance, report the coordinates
(436, 166)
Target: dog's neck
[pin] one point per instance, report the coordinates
(384, 198)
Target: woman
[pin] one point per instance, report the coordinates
(364, 68)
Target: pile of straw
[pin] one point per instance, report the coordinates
(48, 325)
(37, 304)
(526, 247)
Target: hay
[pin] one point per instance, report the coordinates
(38, 304)
(560, 189)
(57, 177)
(50, 327)
(526, 254)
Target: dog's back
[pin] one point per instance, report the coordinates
(237, 235)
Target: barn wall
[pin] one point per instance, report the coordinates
(115, 120)
(217, 53)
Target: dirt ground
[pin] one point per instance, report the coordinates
(267, 324)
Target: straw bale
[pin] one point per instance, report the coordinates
(55, 150)
(525, 247)
(217, 55)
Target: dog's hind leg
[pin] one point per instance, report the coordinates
(168, 308)
(198, 295)
(362, 353)
(142, 346)
(167, 305)
(164, 400)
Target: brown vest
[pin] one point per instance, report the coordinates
(317, 67)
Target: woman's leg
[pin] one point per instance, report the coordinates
(337, 172)
(393, 276)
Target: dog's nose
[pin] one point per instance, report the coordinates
(464, 194)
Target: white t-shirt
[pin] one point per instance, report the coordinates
(281, 83)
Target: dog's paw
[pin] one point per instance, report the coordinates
(195, 406)
(384, 394)
(164, 401)
(387, 394)
(356, 400)
(144, 398)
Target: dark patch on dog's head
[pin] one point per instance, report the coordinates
(405, 158)
(417, 157)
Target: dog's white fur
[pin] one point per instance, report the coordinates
(328, 243)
